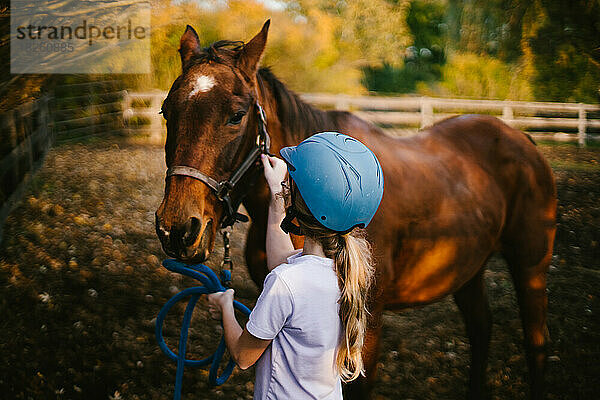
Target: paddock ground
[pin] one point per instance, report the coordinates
(80, 286)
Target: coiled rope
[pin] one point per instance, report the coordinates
(210, 284)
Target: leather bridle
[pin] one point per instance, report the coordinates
(223, 190)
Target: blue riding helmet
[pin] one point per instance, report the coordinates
(338, 177)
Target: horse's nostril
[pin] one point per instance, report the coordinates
(160, 230)
(205, 240)
(192, 229)
(164, 235)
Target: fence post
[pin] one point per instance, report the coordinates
(127, 112)
(92, 109)
(342, 104)
(47, 120)
(155, 119)
(581, 134)
(507, 114)
(11, 127)
(35, 127)
(45, 123)
(426, 112)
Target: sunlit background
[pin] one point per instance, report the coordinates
(539, 50)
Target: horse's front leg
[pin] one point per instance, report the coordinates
(362, 387)
(255, 252)
(257, 205)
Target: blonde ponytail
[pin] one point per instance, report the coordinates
(355, 272)
(351, 253)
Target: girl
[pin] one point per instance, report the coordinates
(308, 325)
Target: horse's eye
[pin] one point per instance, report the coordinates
(236, 118)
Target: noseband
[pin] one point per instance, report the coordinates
(224, 189)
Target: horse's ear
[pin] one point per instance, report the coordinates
(252, 52)
(189, 45)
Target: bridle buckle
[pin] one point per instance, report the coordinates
(223, 190)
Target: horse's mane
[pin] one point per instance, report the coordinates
(222, 51)
(298, 118)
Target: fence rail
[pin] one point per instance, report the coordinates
(567, 121)
(424, 111)
(82, 110)
(27, 135)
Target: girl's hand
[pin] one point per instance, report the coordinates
(275, 172)
(218, 301)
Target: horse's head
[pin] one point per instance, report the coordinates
(212, 126)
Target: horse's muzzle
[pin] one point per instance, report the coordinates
(185, 243)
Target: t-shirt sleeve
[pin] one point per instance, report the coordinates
(272, 310)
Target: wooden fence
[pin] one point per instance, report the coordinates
(75, 111)
(562, 121)
(26, 136)
(141, 114)
(552, 121)
(86, 109)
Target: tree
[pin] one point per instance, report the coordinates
(423, 59)
(368, 32)
(557, 41)
(561, 43)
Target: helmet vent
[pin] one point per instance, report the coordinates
(323, 217)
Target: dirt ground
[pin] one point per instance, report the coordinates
(81, 284)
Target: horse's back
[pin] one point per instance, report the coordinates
(521, 172)
(509, 156)
(454, 193)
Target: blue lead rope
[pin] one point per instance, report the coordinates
(210, 284)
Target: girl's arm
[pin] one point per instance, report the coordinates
(278, 243)
(243, 347)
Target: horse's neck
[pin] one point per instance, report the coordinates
(294, 119)
(289, 121)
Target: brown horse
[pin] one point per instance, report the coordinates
(455, 193)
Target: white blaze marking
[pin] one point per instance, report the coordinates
(203, 84)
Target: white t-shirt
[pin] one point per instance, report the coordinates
(298, 310)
